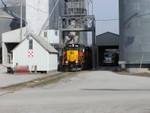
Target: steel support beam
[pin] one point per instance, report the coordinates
(93, 47)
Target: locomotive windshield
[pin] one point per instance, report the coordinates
(108, 55)
(74, 47)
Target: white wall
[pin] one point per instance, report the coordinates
(20, 56)
(52, 36)
(4, 54)
(53, 62)
(37, 12)
(13, 36)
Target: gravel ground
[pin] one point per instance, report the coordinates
(85, 92)
(11, 79)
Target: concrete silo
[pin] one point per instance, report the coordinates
(135, 32)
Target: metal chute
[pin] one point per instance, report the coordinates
(6, 5)
(10, 3)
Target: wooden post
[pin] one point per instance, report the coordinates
(35, 69)
(141, 61)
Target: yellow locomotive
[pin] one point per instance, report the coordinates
(76, 57)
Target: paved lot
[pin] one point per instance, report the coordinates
(11, 79)
(85, 92)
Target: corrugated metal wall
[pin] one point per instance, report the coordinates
(37, 12)
(135, 31)
(53, 23)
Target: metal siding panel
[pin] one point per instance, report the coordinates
(134, 31)
(13, 36)
(52, 38)
(37, 12)
(53, 61)
(4, 53)
(107, 39)
(83, 38)
(53, 23)
(40, 57)
(20, 54)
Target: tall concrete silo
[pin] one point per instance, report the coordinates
(135, 32)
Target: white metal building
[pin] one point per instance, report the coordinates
(9, 41)
(106, 42)
(52, 36)
(35, 51)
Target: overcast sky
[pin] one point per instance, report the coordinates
(105, 10)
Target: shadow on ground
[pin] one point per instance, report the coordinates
(116, 89)
(108, 68)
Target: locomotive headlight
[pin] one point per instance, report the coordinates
(66, 62)
(83, 50)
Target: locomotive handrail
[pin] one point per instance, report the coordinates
(64, 57)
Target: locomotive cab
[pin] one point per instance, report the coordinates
(73, 57)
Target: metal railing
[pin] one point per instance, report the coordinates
(75, 8)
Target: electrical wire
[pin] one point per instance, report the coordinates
(109, 20)
(37, 9)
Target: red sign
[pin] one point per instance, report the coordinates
(30, 54)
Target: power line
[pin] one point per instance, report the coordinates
(37, 9)
(109, 20)
(141, 15)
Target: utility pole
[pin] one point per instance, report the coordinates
(20, 21)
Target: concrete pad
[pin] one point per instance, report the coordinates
(138, 70)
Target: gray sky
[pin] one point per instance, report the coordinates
(105, 10)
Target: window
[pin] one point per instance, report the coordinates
(45, 34)
(56, 33)
(30, 44)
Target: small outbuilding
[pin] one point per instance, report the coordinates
(35, 53)
(106, 42)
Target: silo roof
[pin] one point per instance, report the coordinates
(107, 39)
(4, 14)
